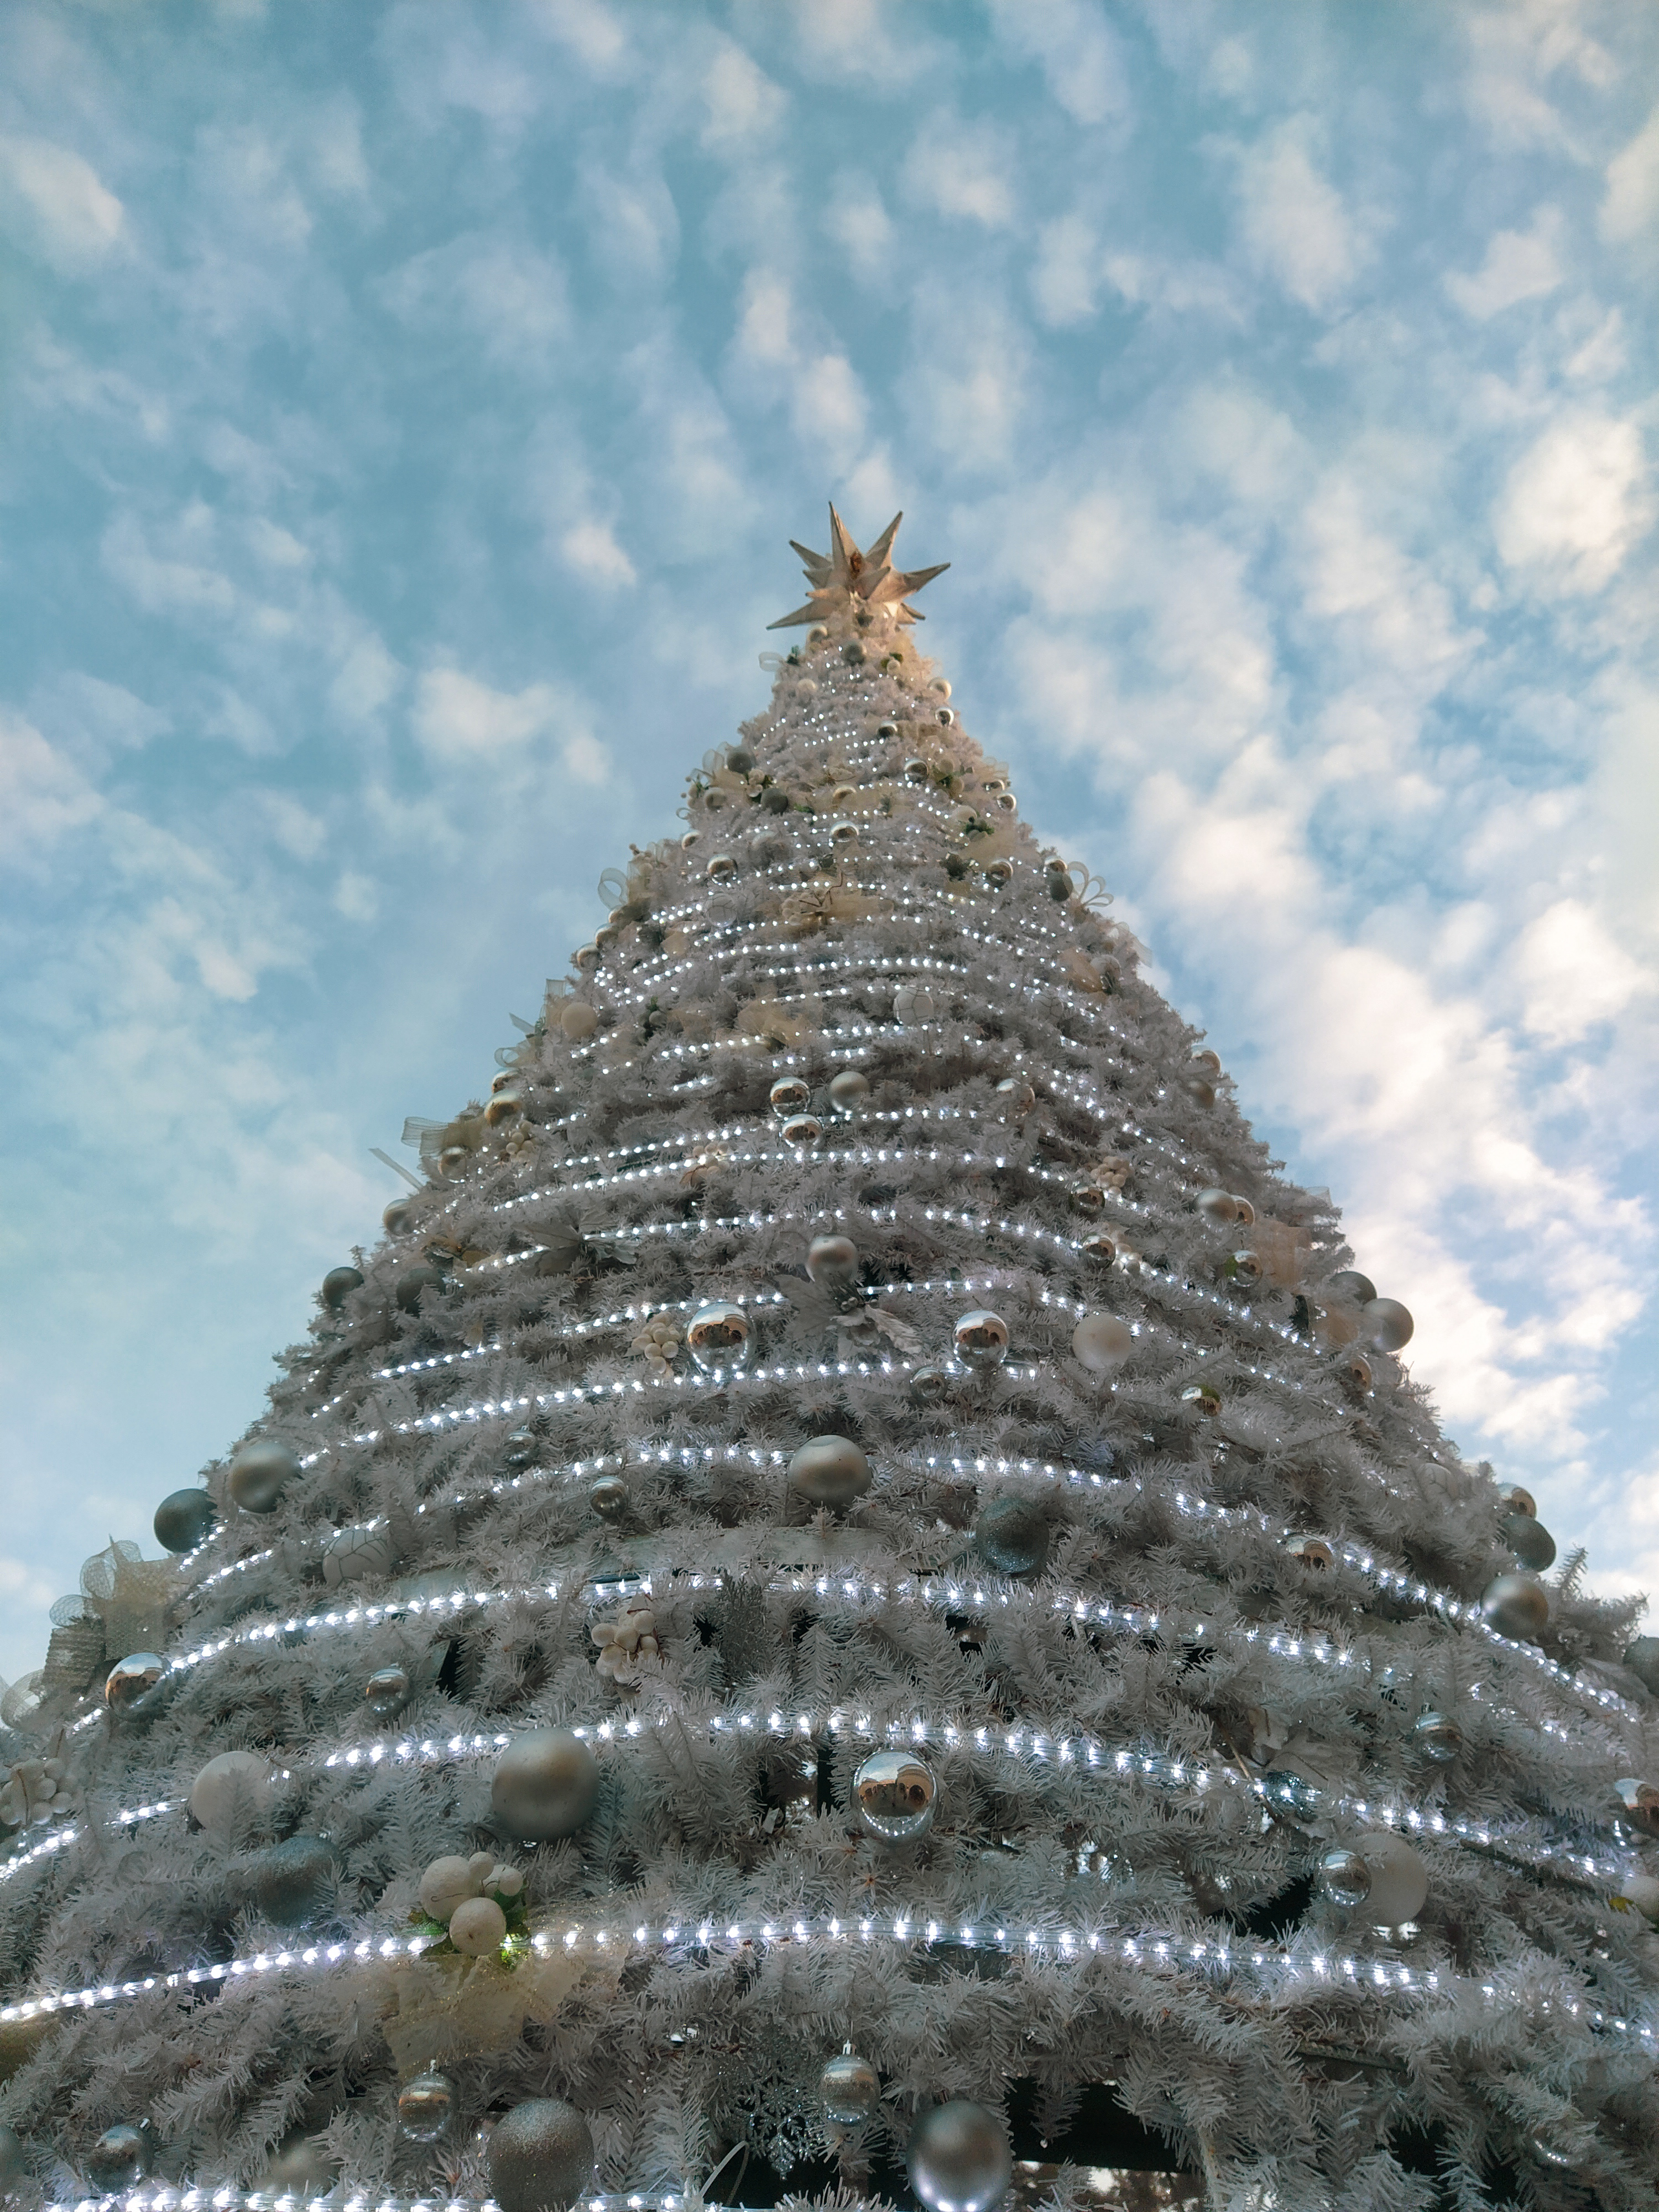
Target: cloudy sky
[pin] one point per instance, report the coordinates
(406, 406)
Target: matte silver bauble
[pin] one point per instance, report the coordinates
(1349, 1283)
(1311, 1552)
(1101, 1342)
(546, 1783)
(718, 1336)
(833, 1260)
(132, 1688)
(184, 1519)
(1530, 1541)
(740, 760)
(1012, 1536)
(1641, 1658)
(1345, 1877)
(423, 1280)
(1438, 1736)
(338, 1285)
(982, 1339)
(1516, 1606)
(1399, 1881)
(233, 1788)
(540, 2156)
(895, 1793)
(386, 1691)
(609, 1497)
(426, 2107)
(119, 2160)
(848, 1090)
(1386, 1323)
(830, 1471)
(294, 1881)
(259, 1473)
(959, 2158)
(850, 2089)
(801, 1129)
(928, 1385)
(790, 1094)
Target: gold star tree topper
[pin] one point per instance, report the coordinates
(867, 586)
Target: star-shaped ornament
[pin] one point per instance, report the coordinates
(865, 584)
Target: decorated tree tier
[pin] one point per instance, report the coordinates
(858, 1580)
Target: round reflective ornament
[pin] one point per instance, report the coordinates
(1352, 1284)
(959, 2158)
(1516, 1500)
(386, 1691)
(1246, 1267)
(338, 1285)
(999, 875)
(293, 1883)
(1086, 1198)
(132, 1688)
(1516, 1606)
(719, 1336)
(850, 2089)
(184, 1519)
(1202, 1400)
(119, 2160)
(1015, 1096)
(802, 1129)
(1641, 1658)
(258, 1474)
(1012, 1536)
(928, 1385)
(504, 1105)
(426, 2107)
(545, 1784)
(1345, 1877)
(722, 869)
(1355, 1370)
(740, 760)
(1101, 1342)
(830, 1471)
(790, 1094)
(422, 1280)
(1530, 1541)
(398, 1218)
(844, 834)
(1399, 1881)
(1311, 1552)
(1386, 1323)
(982, 1339)
(519, 1449)
(895, 1793)
(1639, 1891)
(609, 1497)
(833, 1260)
(915, 770)
(1199, 1089)
(1099, 1247)
(1208, 1062)
(848, 1090)
(584, 959)
(301, 2165)
(913, 1004)
(1219, 1207)
(1641, 1803)
(540, 2156)
(1438, 1736)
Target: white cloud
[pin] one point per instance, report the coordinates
(1514, 52)
(742, 105)
(1066, 274)
(1081, 58)
(585, 759)
(962, 169)
(357, 896)
(861, 225)
(508, 293)
(1293, 221)
(591, 552)
(1630, 209)
(68, 214)
(1519, 264)
(1575, 503)
(1578, 975)
(43, 796)
(588, 30)
(365, 680)
(457, 718)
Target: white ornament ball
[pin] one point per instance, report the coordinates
(235, 1786)
(447, 1882)
(1102, 1342)
(477, 1927)
(1641, 1891)
(959, 2160)
(833, 1260)
(354, 1554)
(913, 1004)
(1386, 1323)
(1400, 1882)
(830, 1471)
(578, 1021)
(540, 2156)
(546, 1783)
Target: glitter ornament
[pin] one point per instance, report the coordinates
(982, 1339)
(895, 1793)
(1011, 1535)
(1345, 1877)
(232, 1788)
(1530, 1541)
(119, 2160)
(848, 1090)
(132, 1688)
(1101, 1342)
(294, 1881)
(1516, 1606)
(354, 1555)
(959, 2159)
(1400, 1882)
(1349, 1283)
(1438, 1737)
(338, 1285)
(259, 1473)
(609, 1497)
(426, 2107)
(386, 1691)
(477, 1927)
(719, 1336)
(802, 1129)
(184, 1519)
(789, 1095)
(540, 2157)
(546, 1783)
(830, 1471)
(833, 1260)
(850, 2089)
(1386, 1323)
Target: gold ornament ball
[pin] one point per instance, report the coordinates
(830, 1471)
(718, 1336)
(982, 1339)
(1101, 1342)
(478, 1926)
(540, 2157)
(259, 1473)
(895, 1796)
(545, 1785)
(959, 2158)
(609, 1497)
(790, 1094)
(833, 1259)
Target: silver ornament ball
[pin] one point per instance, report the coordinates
(928, 1385)
(830, 1471)
(293, 1883)
(959, 2158)
(982, 1339)
(1516, 1606)
(850, 2089)
(545, 1784)
(1386, 1323)
(1641, 1658)
(895, 1793)
(833, 1260)
(184, 1519)
(1219, 1207)
(848, 1090)
(399, 1216)
(1516, 1500)
(119, 2160)
(259, 1473)
(1349, 1283)
(387, 1692)
(718, 1336)
(1311, 1552)
(801, 1129)
(338, 1285)
(789, 1095)
(540, 2156)
(1438, 1736)
(1012, 1536)
(426, 2107)
(1640, 1800)
(1530, 1541)
(1100, 1247)
(132, 1688)
(609, 1497)
(1345, 1877)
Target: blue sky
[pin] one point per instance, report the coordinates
(405, 408)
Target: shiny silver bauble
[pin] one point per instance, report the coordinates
(928, 1385)
(519, 1448)
(386, 1691)
(830, 1471)
(896, 1794)
(1311, 1552)
(184, 1519)
(259, 1473)
(850, 2089)
(844, 834)
(848, 1090)
(982, 1339)
(1355, 1369)
(916, 769)
(546, 1783)
(790, 1094)
(1345, 1877)
(1438, 1736)
(1386, 1323)
(1203, 1400)
(1015, 1096)
(718, 1336)
(1219, 1207)
(426, 2107)
(959, 2158)
(721, 868)
(1246, 1267)
(1640, 1801)
(540, 2157)
(119, 2160)
(608, 1495)
(294, 1881)
(1099, 1247)
(132, 1688)
(399, 1216)
(1530, 1541)
(1516, 1606)
(1198, 1088)
(338, 1285)
(1349, 1283)
(833, 1260)
(1011, 1535)
(1101, 1342)
(999, 874)
(1399, 1881)
(1516, 1500)
(801, 1129)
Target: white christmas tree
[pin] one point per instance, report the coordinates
(858, 1577)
